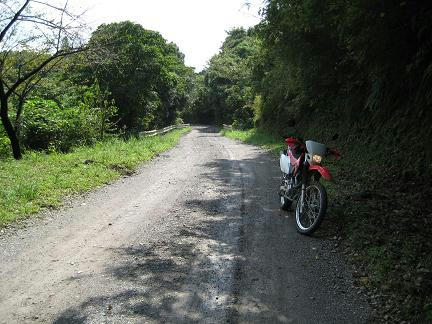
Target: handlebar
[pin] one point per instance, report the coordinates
(294, 142)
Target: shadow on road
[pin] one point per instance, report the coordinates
(228, 261)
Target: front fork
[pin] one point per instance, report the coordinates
(303, 187)
(302, 194)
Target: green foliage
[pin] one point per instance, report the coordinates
(226, 95)
(368, 63)
(43, 124)
(381, 260)
(198, 109)
(428, 311)
(179, 121)
(47, 126)
(5, 149)
(130, 79)
(145, 75)
(257, 110)
(100, 108)
(41, 180)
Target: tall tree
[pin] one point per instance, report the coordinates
(227, 80)
(49, 31)
(145, 74)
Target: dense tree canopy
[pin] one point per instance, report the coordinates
(355, 64)
(226, 86)
(355, 55)
(128, 79)
(145, 75)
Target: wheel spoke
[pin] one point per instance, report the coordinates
(314, 205)
(311, 207)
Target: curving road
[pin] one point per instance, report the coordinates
(196, 236)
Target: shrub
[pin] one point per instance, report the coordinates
(48, 126)
(5, 150)
(179, 121)
(82, 117)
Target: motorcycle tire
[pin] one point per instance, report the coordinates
(318, 211)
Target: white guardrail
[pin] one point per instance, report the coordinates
(227, 127)
(163, 130)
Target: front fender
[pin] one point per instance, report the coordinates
(325, 173)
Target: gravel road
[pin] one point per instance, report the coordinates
(195, 236)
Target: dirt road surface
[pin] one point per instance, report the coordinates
(196, 236)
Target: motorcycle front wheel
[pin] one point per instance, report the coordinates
(314, 208)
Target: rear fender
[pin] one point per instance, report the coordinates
(325, 173)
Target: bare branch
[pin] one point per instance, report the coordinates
(39, 22)
(7, 6)
(14, 19)
(42, 66)
(61, 26)
(47, 38)
(6, 18)
(63, 10)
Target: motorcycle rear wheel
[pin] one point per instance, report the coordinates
(314, 209)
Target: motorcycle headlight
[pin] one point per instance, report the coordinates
(316, 158)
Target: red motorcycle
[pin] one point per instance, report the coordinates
(302, 170)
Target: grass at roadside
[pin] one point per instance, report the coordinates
(257, 137)
(41, 180)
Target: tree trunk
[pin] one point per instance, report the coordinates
(18, 116)
(10, 131)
